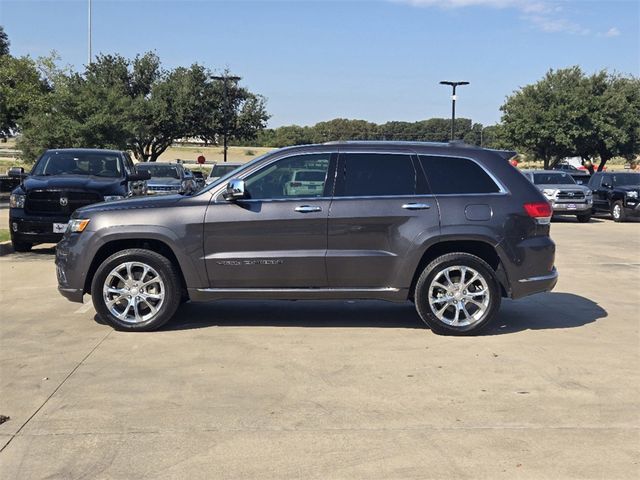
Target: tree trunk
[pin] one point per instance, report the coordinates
(603, 162)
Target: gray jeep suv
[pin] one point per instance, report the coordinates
(450, 227)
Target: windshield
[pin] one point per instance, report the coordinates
(79, 163)
(232, 173)
(626, 179)
(160, 171)
(553, 179)
(220, 170)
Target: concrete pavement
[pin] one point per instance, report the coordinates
(330, 390)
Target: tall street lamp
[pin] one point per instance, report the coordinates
(225, 79)
(453, 104)
(89, 35)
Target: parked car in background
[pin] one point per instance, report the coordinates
(452, 228)
(199, 178)
(62, 181)
(220, 170)
(616, 193)
(168, 178)
(563, 193)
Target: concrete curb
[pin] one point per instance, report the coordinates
(5, 248)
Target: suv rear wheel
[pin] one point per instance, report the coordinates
(136, 289)
(457, 294)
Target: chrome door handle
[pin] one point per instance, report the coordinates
(416, 206)
(308, 209)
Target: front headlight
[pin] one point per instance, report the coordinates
(632, 194)
(111, 198)
(16, 200)
(78, 225)
(589, 193)
(549, 192)
(184, 186)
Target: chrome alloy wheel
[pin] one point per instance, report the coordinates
(133, 292)
(459, 296)
(617, 211)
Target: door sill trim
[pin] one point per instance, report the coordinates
(296, 290)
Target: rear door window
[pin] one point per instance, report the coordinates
(376, 174)
(452, 175)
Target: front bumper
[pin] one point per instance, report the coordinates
(572, 208)
(632, 207)
(34, 228)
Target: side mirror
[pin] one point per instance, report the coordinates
(235, 190)
(16, 172)
(139, 176)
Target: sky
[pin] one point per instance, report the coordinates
(373, 60)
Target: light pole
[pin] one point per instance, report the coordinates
(225, 107)
(453, 104)
(89, 19)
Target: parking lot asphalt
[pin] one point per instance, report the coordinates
(330, 390)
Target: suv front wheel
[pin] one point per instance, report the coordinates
(136, 289)
(457, 294)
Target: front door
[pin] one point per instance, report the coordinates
(277, 236)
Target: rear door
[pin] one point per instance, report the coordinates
(380, 206)
(276, 238)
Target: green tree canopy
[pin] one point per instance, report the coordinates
(568, 113)
(4, 42)
(134, 104)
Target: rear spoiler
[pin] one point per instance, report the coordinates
(505, 154)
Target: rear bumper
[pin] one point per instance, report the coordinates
(537, 284)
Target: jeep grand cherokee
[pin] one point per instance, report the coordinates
(450, 227)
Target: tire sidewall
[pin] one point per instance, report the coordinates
(166, 272)
(433, 269)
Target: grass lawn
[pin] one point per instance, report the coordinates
(4, 235)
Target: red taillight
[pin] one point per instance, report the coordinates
(296, 184)
(538, 210)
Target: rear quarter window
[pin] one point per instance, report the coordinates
(453, 175)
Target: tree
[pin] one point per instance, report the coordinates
(134, 104)
(613, 120)
(21, 88)
(548, 117)
(568, 113)
(234, 114)
(4, 42)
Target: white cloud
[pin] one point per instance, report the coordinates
(543, 14)
(612, 32)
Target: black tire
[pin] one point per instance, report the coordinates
(434, 269)
(171, 288)
(617, 211)
(584, 217)
(21, 247)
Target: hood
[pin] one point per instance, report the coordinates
(164, 181)
(628, 188)
(131, 203)
(87, 183)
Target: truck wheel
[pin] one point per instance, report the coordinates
(136, 289)
(584, 218)
(617, 211)
(457, 294)
(21, 246)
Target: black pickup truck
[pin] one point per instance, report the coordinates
(617, 193)
(62, 181)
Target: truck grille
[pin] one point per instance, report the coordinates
(162, 188)
(58, 202)
(570, 195)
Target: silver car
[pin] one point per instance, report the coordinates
(563, 193)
